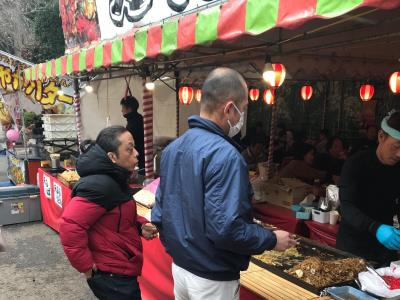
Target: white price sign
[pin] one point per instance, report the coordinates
(46, 186)
(57, 194)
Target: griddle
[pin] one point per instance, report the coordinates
(306, 247)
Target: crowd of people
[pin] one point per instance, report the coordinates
(305, 159)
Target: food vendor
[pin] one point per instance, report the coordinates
(369, 195)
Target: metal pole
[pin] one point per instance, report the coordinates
(270, 162)
(148, 130)
(77, 108)
(21, 115)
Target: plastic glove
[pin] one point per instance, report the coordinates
(389, 237)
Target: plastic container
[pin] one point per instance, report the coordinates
(304, 215)
(320, 216)
(297, 207)
(58, 119)
(59, 127)
(348, 293)
(51, 135)
(19, 204)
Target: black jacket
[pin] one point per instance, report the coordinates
(135, 127)
(102, 181)
(368, 193)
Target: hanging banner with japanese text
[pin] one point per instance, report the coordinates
(44, 92)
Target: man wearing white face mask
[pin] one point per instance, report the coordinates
(203, 204)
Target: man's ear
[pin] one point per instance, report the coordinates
(227, 107)
(112, 157)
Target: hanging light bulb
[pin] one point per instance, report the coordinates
(306, 92)
(185, 95)
(89, 88)
(273, 74)
(149, 84)
(254, 94)
(198, 95)
(269, 97)
(366, 92)
(394, 82)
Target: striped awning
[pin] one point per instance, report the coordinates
(225, 22)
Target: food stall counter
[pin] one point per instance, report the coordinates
(54, 197)
(257, 283)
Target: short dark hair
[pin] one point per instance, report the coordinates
(130, 102)
(108, 138)
(301, 149)
(394, 120)
(221, 85)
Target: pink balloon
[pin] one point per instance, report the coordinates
(12, 135)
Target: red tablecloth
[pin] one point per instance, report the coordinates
(281, 217)
(156, 281)
(54, 197)
(323, 233)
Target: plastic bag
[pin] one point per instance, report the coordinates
(372, 284)
(332, 195)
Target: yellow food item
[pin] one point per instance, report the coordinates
(326, 273)
(278, 258)
(70, 175)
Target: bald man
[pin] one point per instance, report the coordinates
(203, 205)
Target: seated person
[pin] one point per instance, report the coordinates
(256, 130)
(332, 161)
(322, 142)
(255, 153)
(301, 167)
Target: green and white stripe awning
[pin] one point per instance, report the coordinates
(225, 22)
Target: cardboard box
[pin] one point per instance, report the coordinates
(283, 192)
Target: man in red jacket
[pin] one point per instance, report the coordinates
(100, 229)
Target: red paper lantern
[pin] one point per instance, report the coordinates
(366, 92)
(274, 75)
(394, 82)
(269, 97)
(185, 95)
(306, 92)
(254, 94)
(198, 95)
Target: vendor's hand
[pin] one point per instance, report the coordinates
(284, 240)
(389, 237)
(89, 273)
(149, 231)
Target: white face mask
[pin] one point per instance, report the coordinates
(234, 130)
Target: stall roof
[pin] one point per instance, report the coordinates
(233, 20)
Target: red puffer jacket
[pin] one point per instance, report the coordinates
(109, 239)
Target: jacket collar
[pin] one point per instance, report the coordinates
(199, 122)
(131, 115)
(96, 162)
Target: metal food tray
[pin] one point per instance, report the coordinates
(347, 293)
(307, 247)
